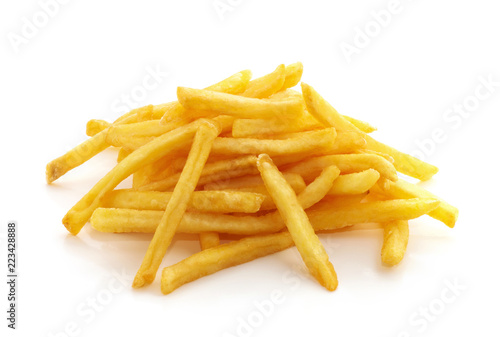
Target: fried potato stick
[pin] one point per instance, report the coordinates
(396, 234)
(310, 248)
(178, 203)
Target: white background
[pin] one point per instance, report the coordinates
(429, 57)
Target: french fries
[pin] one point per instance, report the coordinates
(252, 162)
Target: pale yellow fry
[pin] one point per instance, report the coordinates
(310, 248)
(201, 201)
(396, 235)
(324, 216)
(201, 102)
(94, 126)
(79, 214)
(148, 128)
(234, 84)
(307, 142)
(247, 182)
(445, 213)
(216, 171)
(224, 256)
(177, 204)
(316, 190)
(326, 114)
(267, 85)
(140, 177)
(209, 240)
(293, 74)
(347, 163)
(354, 183)
(131, 116)
(384, 155)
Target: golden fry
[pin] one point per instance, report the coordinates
(396, 235)
(94, 126)
(177, 204)
(209, 240)
(354, 183)
(267, 85)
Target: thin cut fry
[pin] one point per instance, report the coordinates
(324, 216)
(354, 183)
(445, 213)
(177, 204)
(201, 201)
(310, 248)
(267, 85)
(396, 235)
(316, 190)
(326, 114)
(224, 256)
(293, 179)
(80, 213)
(198, 101)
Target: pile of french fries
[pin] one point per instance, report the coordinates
(256, 163)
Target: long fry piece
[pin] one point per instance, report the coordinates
(178, 203)
(310, 248)
(80, 213)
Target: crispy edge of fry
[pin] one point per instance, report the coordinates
(224, 256)
(293, 74)
(307, 242)
(396, 234)
(209, 240)
(445, 213)
(94, 126)
(307, 142)
(266, 85)
(201, 201)
(326, 114)
(80, 213)
(317, 189)
(324, 216)
(354, 183)
(177, 205)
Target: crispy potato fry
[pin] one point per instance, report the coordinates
(347, 163)
(201, 201)
(224, 256)
(209, 240)
(202, 102)
(94, 126)
(445, 213)
(361, 125)
(326, 114)
(307, 142)
(325, 215)
(267, 85)
(129, 143)
(234, 84)
(396, 235)
(383, 155)
(310, 248)
(293, 74)
(354, 183)
(178, 203)
(80, 213)
(148, 128)
(316, 190)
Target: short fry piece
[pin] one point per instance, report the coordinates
(310, 248)
(396, 235)
(316, 190)
(224, 256)
(293, 74)
(177, 204)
